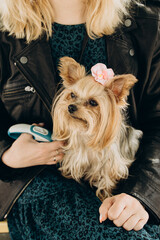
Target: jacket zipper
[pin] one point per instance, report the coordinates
(23, 91)
(20, 193)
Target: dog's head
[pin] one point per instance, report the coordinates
(88, 107)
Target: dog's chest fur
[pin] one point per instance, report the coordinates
(103, 169)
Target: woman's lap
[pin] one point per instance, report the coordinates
(53, 208)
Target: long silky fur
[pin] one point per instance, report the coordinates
(103, 169)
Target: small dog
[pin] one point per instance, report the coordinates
(88, 115)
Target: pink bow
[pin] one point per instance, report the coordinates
(101, 73)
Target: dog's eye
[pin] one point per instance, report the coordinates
(93, 103)
(73, 95)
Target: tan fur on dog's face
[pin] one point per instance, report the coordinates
(89, 107)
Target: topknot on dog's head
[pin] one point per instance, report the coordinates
(70, 71)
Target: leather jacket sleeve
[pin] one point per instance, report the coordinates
(5, 123)
(144, 181)
(5, 120)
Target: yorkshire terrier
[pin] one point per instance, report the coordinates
(88, 114)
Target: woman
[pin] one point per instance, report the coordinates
(41, 204)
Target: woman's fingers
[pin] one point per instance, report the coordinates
(38, 124)
(123, 217)
(26, 152)
(104, 208)
(140, 224)
(55, 159)
(53, 146)
(124, 210)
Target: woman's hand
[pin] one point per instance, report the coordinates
(26, 152)
(124, 210)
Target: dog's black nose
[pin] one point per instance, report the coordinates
(72, 108)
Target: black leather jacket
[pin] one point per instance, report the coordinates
(134, 48)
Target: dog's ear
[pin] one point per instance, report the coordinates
(70, 71)
(120, 86)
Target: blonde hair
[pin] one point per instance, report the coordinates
(31, 18)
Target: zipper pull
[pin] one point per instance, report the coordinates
(30, 89)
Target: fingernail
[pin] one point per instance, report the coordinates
(41, 124)
(101, 218)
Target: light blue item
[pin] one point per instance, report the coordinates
(40, 134)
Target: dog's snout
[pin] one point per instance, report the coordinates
(72, 108)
